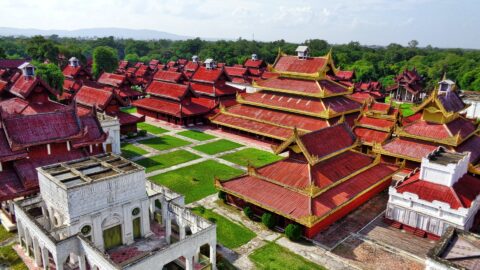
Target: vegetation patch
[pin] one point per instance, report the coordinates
(129, 150)
(196, 181)
(151, 128)
(217, 147)
(272, 256)
(10, 258)
(166, 160)
(129, 110)
(229, 234)
(4, 234)
(255, 157)
(164, 142)
(196, 135)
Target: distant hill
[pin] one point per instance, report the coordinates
(141, 34)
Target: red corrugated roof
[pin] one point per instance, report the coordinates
(71, 85)
(204, 74)
(217, 89)
(290, 63)
(172, 107)
(462, 194)
(376, 122)
(342, 193)
(295, 85)
(236, 71)
(71, 71)
(472, 144)
(328, 140)
(289, 172)
(168, 90)
(3, 85)
(23, 86)
(410, 148)
(250, 63)
(112, 79)
(286, 101)
(370, 135)
(11, 63)
(168, 76)
(191, 66)
(441, 131)
(91, 96)
(10, 185)
(6, 153)
(93, 132)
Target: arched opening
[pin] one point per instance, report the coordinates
(112, 232)
(136, 223)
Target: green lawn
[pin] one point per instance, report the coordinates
(272, 256)
(9, 257)
(229, 234)
(166, 160)
(217, 147)
(164, 142)
(4, 235)
(151, 128)
(255, 157)
(196, 181)
(196, 135)
(129, 150)
(129, 110)
(405, 108)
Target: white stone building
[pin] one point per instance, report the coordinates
(440, 195)
(473, 99)
(100, 213)
(110, 125)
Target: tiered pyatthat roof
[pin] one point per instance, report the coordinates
(211, 82)
(376, 122)
(301, 88)
(437, 121)
(410, 80)
(316, 180)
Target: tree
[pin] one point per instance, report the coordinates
(413, 44)
(248, 212)
(132, 57)
(105, 59)
(52, 75)
(41, 49)
(3, 54)
(268, 220)
(293, 232)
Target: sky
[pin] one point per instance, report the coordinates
(440, 23)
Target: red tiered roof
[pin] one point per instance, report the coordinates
(461, 195)
(441, 131)
(206, 75)
(21, 106)
(333, 139)
(91, 96)
(452, 102)
(93, 134)
(472, 145)
(11, 186)
(294, 85)
(218, 89)
(236, 71)
(370, 136)
(28, 130)
(376, 122)
(23, 86)
(250, 63)
(112, 79)
(410, 148)
(288, 63)
(6, 153)
(196, 107)
(168, 76)
(168, 90)
(71, 71)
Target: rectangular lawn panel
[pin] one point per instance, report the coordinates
(129, 150)
(229, 233)
(196, 135)
(164, 142)
(255, 157)
(166, 160)
(129, 110)
(272, 256)
(217, 147)
(10, 258)
(196, 181)
(151, 128)
(4, 234)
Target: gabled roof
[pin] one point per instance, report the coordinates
(320, 144)
(318, 88)
(99, 97)
(42, 128)
(290, 63)
(169, 76)
(11, 63)
(174, 108)
(3, 85)
(71, 85)
(206, 75)
(72, 71)
(406, 148)
(112, 79)
(168, 90)
(25, 85)
(255, 64)
(236, 71)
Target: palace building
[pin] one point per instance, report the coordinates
(440, 195)
(75, 75)
(106, 100)
(438, 121)
(305, 92)
(323, 179)
(100, 212)
(37, 131)
(409, 87)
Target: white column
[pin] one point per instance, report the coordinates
(145, 219)
(82, 264)
(45, 260)
(168, 230)
(127, 225)
(189, 262)
(37, 254)
(213, 255)
(182, 231)
(196, 256)
(58, 263)
(97, 232)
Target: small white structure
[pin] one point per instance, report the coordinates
(440, 195)
(473, 99)
(100, 213)
(210, 63)
(28, 70)
(74, 62)
(110, 125)
(302, 52)
(446, 86)
(195, 59)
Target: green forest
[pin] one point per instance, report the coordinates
(374, 63)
